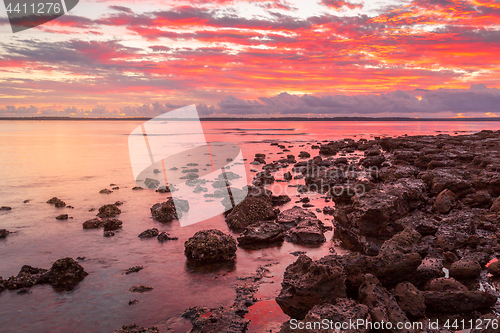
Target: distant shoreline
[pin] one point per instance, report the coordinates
(255, 119)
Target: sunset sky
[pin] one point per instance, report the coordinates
(412, 58)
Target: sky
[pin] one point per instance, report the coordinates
(257, 58)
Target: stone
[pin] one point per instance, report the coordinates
(307, 283)
(279, 200)
(291, 217)
(56, 202)
(62, 217)
(140, 288)
(444, 202)
(149, 233)
(455, 301)
(3, 233)
(495, 207)
(105, 191)
(165, 212)
(263, 232)
(465, 269)
(164, 236)
(493, 268)
(109, 211)
(112, 224)
(250, 210)
(410, 299)
(134, 269)
(5, 208)
(309, 231)
(64, 274)
(209, 246)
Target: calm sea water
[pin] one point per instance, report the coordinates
(74, 160)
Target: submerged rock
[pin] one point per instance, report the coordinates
(109, 211)
(209, 246)
(56, 202)
(62, 217)
(105, 191)
(112, 224)
(149, 233)
(164, 236)
(93, 223)
(165, 212)
(134, 269)
(5, 208)
(4, 233)
(64, 274)
(140, 289)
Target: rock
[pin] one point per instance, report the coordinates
(263, 232)
(112, 224)
(149, 233)
(209, 246)
(136, 329)
(410, 299)
(465, 269)
(343, 311)
(263, 178)
(140, 289)
(27, 277)
(62, 217)
(165, 212)
(496, 206)
(108, 234)
(383, 306)
(454, 301)
(373, 161)
(288, 176)
(137, 188)
(105, 191)
(118, 203)
(493, 268)
(444, 284)
(64, 274)
(5, 208)
(478, 199)
(199, 189)
(222, 319)
(279, 200)
(429, 269)
(163, 236)
(304, 154)
(134, 269)
(115, 188)
(249, 211)
(4, 233)
(309, 231)
(133, 301)
(291, 217)
(487, 323)
(444, 202)
(109, 211)
(56, 202)
(93, 223)
(307, 283)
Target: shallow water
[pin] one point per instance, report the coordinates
(74, 160)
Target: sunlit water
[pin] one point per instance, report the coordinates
(74, 160)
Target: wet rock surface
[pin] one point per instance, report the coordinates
(252, 209)
(263, 232)
(109, 211)
(149, 233)
(209, 246)
(56, 202)
(136, 329)
(165, 211)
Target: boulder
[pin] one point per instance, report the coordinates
(165, 212)
(164, 236)
(465, 269)
(112, 224)
(263, 232)
(93, 223)
(65, 274)
(27, 277)
(5, 208)
(458, 301)
(3, 233)
(109, 211)
(105, 191)
(308, 231)
(493, 268)
(149, 233)
(383, 306)
(304, 154)
(279, 200)
(209, 246)
(307, 283)
(62, 217)
(252, 209)
(410, 299)
(444, 202)
(56, 202)
(293, 216)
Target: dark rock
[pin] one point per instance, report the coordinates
(429, 269)
(444, 202)
(27, 277)
(4, 233)
(493, 268)
(109, 211)
(118, 203)
(383, 306)
(108, 234)
(112, 224)
(444, 284)
(307, 283)
(308, 231)
(304, 154)
(209, 246)
(183, 205)
(5, 208)
(495, 207)
(264, 232)
(480, 199)
(487, 323)
(133, 301)
(465, 269)
(164, 236)
(410, 299)
(149, 233)
(291, 217)
(62, 217)
(140, 289)
(56, 202)
(373, 161)
(222, 319)
(105, 191)
(263, 178)
(93, 223)
(137, 188)
(249, 211)
(288, 176)
(134, 269)
(279, 200)
(454, 301)
(165, 212)
(64, 274)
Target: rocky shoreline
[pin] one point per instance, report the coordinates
(419, 215)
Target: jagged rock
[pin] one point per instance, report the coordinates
(134, 269)
(136, 329)
(112, 224)
(263, 232)
(307, 283)
(383, 306)
(279, 200)
(208, 246)
(62, 217)
(105, 191)
(291, 217)
(109, 211)
(222, 319)
(65, 274)
(465, 269)
(27, 277)
(308, 231)
(263, 178)
(149, 233)
(444, 202)
(429, 269)
(410, 299)
(164, 236)
(56, 202)
(165, 212)
(252, 209)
